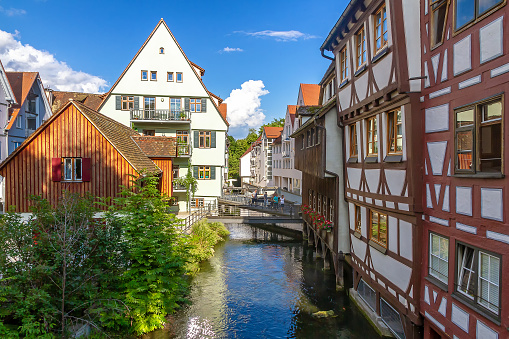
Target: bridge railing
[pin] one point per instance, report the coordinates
(197, 215)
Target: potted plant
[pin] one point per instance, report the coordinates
(182, 115)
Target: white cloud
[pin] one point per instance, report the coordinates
(12, 11)
(229, 49)
(244, 105)
(281, 35)
(56, 74)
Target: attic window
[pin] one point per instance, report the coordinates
(161, 50)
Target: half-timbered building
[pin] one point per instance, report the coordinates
(80, 150)
(318, 154)
(465, 290)
(376, 49)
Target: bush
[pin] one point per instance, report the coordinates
(204, 236)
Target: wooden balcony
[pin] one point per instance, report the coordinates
(160, 115)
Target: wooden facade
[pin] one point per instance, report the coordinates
(465, 188)
(108, 154)
(166, 182)
(378, 72)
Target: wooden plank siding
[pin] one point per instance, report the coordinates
(166, 181)
(70, 135)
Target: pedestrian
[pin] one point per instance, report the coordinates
(265, 199)
(275, 201)
(282, 202)
(255, 197)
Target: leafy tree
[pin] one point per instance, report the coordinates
(236, 149)
(156, 253)
(274, 123)
(190, 183)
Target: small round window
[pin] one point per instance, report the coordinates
(161, 50)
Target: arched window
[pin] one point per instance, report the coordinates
(161, 50)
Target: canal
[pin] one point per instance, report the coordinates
(263, 285)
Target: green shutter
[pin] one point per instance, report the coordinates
(204, 105)
(136, 103)
(196, 139)
(195, 172)
(212, 172)
(186, 104)
(213, 139)
(118, 103)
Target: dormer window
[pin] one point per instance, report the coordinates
(161, 50)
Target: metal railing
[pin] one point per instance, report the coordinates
(183, 149)
(198, 215)
(177, 187)
(160, 115)
(286, 154)
(262, 205)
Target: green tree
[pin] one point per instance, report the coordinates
(190, 183)
(274, 123)
(156, 253)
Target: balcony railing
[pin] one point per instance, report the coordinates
(183, 150)
(177, 187)
(29, 132)
(160, 115)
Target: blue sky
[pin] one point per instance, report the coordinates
(85, 46)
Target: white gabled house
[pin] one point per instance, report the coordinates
(161, 93)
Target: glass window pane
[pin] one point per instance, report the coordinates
(485, 5)
(491, 148)
(68, 169)
(464, 12)
(492, 111)
(465, 118)
(77, 169)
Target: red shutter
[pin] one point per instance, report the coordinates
(85, 168)
(56, 165)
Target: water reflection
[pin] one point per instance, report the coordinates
(263, 285)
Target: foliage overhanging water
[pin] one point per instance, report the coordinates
(263, 285)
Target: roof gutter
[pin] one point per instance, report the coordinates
(325, 56)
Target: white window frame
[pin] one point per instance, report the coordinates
(439, 258)
(75, 164)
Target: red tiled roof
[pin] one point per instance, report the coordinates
(21, 83)
(223, 108)
(310, 94)
(272, 132)
(61, 98)
(277, 140)
(292, 109)
(157, 147)
(117, 134)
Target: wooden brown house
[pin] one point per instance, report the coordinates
(80, 150)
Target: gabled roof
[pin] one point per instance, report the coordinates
(310, 94)
(4, 82)
(247, 151)
(278, 140)
(292, 109)
(202, 71)
(117, 134)
(157, 147)
(192, 65)
(223, 109)
(61, 98)
(21, 83)
(272, 132)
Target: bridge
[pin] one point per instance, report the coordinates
(239, 209)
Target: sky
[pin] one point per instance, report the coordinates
(255, 54)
